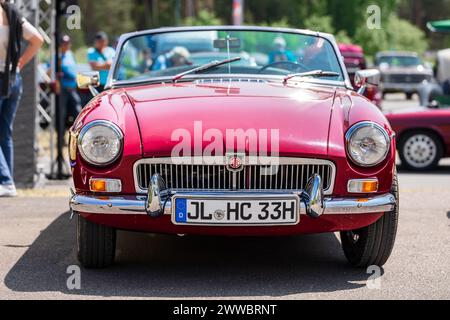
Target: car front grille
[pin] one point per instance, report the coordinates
(290, 174)
(405, 78)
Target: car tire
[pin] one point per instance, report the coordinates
(373, 244)
(432, 150)
(96, 244)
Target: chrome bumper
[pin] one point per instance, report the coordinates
(159, 202)
(137, 205)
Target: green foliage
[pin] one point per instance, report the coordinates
(395, 34)
(346, 19)
(204, 18)
(319, 23)
(77, 37)
(371, 40)
(342, 37)
(405, 36)
(283, 23)
(115, 17)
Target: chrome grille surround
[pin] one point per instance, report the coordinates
(292, 175)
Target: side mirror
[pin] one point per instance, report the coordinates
(363, 78)
(89, 80)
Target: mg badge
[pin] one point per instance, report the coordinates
(235, 162)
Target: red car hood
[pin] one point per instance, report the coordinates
(300, 113)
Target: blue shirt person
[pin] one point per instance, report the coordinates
(280, 54)
(100, 57)
(68, 70)
(70, 103)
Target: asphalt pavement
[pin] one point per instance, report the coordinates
(37, 245)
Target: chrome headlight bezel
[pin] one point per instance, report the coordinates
(351, 133)
(107, 124)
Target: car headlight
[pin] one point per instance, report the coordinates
(100, 142)
(367, 143)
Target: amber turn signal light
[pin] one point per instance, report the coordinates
(362, 186)
(105, 185)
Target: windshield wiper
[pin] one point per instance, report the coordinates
(314, 73)
(205, 67)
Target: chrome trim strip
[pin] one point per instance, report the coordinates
(132, 205)
(222, 160)
(383, 203)
(108, 205)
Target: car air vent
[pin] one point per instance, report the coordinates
(228, 80)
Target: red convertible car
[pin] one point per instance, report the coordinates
(284, 146)
(423, 136)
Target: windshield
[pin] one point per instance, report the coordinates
(164, 55)
(399, 61)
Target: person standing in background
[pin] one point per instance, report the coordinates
(13, 28)
(70, 99)
(100, 57)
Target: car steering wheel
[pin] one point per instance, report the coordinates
(279, 64)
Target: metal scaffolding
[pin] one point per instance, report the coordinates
(46, 21)
(42, 14)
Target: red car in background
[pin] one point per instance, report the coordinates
(355, 60)
(284, 146)
(423, 136)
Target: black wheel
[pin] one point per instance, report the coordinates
(420, 150)
(96, 244)
(409, 96)
(373, 244)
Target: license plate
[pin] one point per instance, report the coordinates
(252, 210)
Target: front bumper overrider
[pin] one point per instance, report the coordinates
(158, 202)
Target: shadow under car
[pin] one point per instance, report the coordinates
(149, 265)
